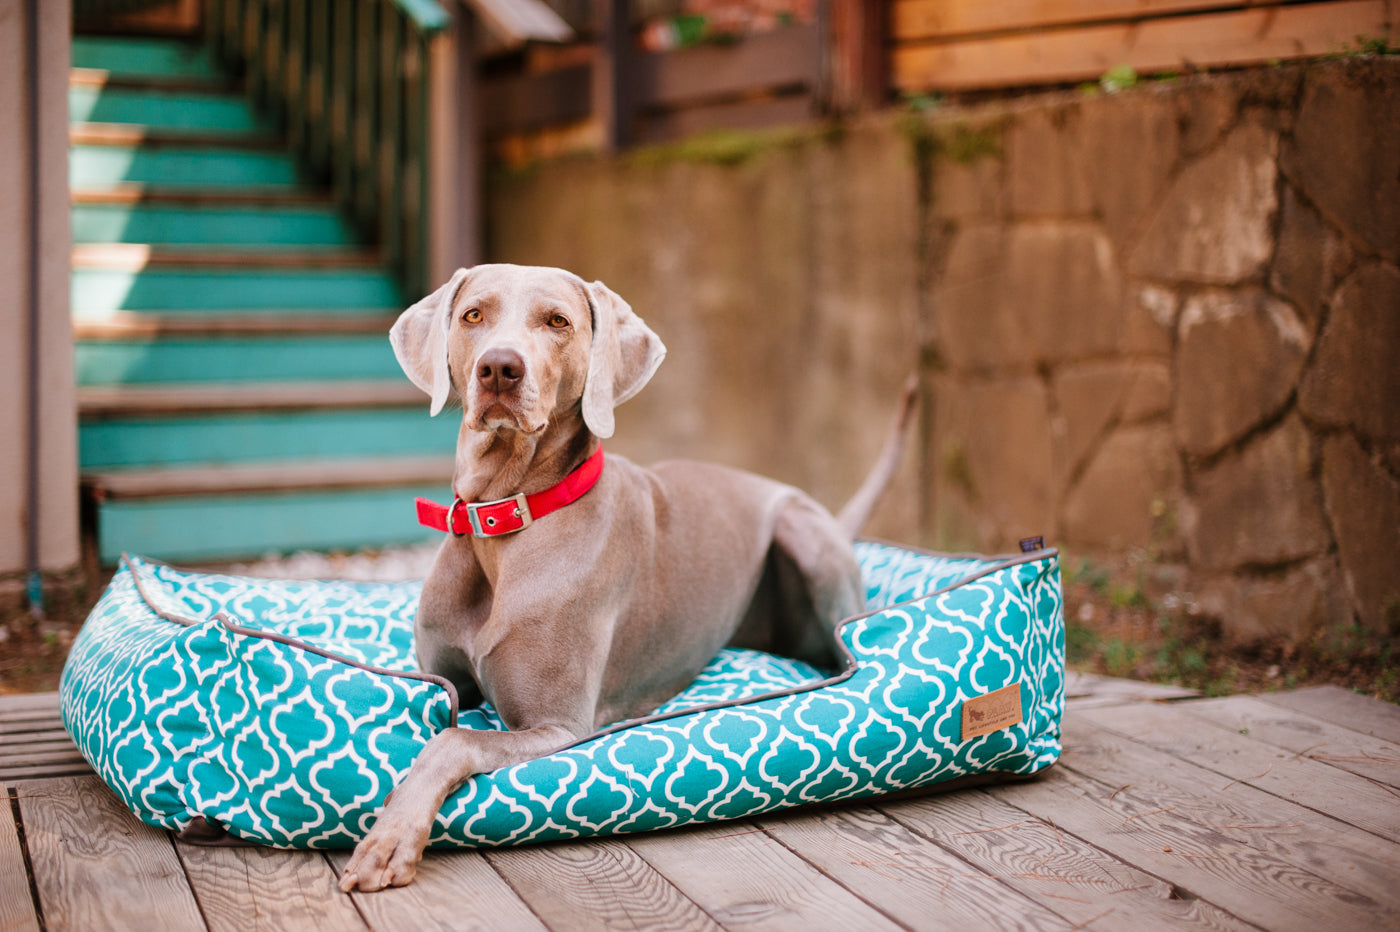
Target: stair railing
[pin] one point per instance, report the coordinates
(350, 83)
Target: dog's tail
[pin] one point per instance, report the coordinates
(857, 511)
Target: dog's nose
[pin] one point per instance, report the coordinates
(500, 370)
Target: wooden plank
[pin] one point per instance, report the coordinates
(518, 103)
(741, 876)
(934, 19)
(245, 195)
(1223, 748)
(1271, 844)
(278, 477)
(96, 866)
(133, 134)
(27, 704)
(1307, 737)
(1061, 56)
(453, 891)
(126, 325)
(905, 877)
(241, 889)
(1343, 707)
(134, 257)
(1085, 886)
(128, 401)
(17, 911)
(783, 58)
(191, 83)
(593, 885)
(1199, 855)
(1087, 690)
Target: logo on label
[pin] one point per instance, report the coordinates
(994, 711)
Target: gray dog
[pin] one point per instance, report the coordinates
(573, 594)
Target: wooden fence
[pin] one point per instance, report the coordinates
(972, 44)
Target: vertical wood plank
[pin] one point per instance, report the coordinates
(246, 889)
(594, 885)
(17, 912)
(318, 85)
(740, 875)
(453, 891)
(96, 866)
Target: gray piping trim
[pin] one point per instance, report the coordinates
(229, 622)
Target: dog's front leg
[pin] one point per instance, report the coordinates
(389, 854)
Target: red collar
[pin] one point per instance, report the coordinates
(508, 515)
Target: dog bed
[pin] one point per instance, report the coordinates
(283, 712)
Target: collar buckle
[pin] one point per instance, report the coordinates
(496, 518)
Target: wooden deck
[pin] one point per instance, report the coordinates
(1166, 811)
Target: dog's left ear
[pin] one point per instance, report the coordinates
(419, 338)
(623, 358)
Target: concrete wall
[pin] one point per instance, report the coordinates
(1159, 326)
(58, 505)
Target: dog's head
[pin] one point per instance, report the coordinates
(521, 345)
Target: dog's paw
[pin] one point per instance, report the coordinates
(385, 858)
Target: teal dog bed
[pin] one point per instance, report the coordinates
(283, 712)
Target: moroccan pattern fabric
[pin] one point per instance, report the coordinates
(284, 712)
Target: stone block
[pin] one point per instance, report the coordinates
(1355, 185)
(1354, 377)
(991, 451)
(1238, 359)
(1048, 174)
(1127, 495)
(1129, 145)
(1310, 260)
(1028, 294)
(1215, 223)
(1363, 502)
(1092, 397)
(1258, 508)
(1292, 604)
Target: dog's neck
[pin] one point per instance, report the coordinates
(496, 464)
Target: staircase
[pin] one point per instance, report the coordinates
(237, 391)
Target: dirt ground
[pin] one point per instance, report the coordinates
(1111, 629)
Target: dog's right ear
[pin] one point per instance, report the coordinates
(419, 338)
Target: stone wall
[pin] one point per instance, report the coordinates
(1159, 326)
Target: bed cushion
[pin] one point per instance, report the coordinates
(283, 712)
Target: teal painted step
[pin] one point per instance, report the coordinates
(243, 225)
(94, 167)
(177, 289)
(247, 437)
(193, 529)
(133, 56)
(164, 110)
(273, 358)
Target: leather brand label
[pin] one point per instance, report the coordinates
(995, 710)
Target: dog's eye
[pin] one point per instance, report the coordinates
(472, 316)
(559, 321)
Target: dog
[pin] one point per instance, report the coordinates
(613, 600)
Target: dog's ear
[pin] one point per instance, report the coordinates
(624, 355)
(419, 338)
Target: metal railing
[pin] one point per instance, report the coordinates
(349, 81)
